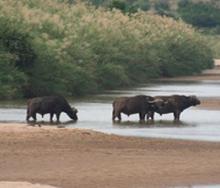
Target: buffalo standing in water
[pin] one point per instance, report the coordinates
(174, 104)
(52, 105)
(140, 104)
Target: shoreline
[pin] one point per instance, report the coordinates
(71, 157)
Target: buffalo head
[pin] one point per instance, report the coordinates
(194, 100)
(73, 114)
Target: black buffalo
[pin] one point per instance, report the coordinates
(140, 104)
(174, 104)
(50, 104)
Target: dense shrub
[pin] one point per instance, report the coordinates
(16, 57)
(77, 80)
(11, 79)
(79, 49)
(184, 57)
(129, 6)
(162, 7)
(125, 6)
(111, 76)
(200, 14)
(118, 4)
(45, 77)
(214, 42)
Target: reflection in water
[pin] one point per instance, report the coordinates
(151, 124)
(95, 113)
(49, 123)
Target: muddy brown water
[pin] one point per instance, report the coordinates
(95, 113)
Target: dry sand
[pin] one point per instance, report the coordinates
(73, 158)
(6, 184)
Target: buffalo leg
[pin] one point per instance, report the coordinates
(176, 116)
(150, 115)
(116, 114)
(51, 117)
(34, 117)
(113, 115)
(119, 116)
(141, 116)
(27, 117)
(58, 117)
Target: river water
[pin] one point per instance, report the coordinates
(95, 113)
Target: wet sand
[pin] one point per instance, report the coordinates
(69, 158)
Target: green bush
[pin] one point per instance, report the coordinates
(110, 76)
(77, 80)
(184, 57)
(161, 6)
(16, 57)
(129, 6)
(44, 77)
(118, 4)
(17, 42)
(200, 14)
(214, 42)
(12, 80)
(79, 49)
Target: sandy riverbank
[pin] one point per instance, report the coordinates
(73, 158)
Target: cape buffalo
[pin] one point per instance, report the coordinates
(174, 104)
(141, 104)
(50, 104)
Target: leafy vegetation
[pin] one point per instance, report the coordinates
(52, 47)
(200, 14)
(214, 42)
(130, 6)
